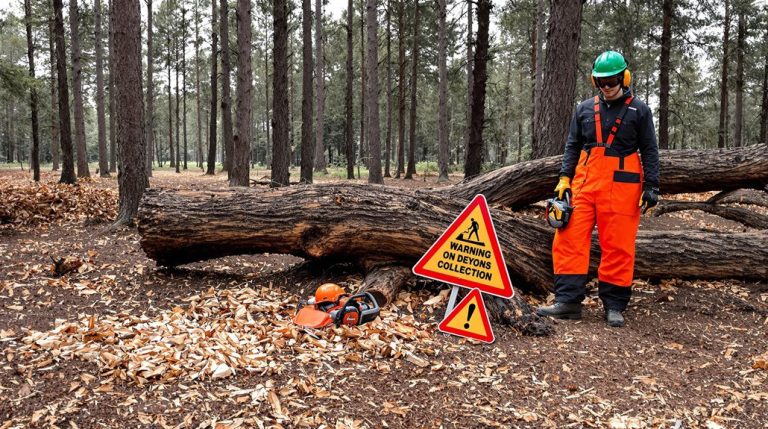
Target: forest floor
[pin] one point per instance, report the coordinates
(119, 343)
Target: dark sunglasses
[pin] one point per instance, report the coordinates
(609, 81)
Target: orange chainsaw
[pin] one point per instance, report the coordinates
(332, 306)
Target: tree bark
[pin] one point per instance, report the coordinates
(745, 216)
(411, 169)
(100, 113)
(132, 180)
(111, 86)
(178, 102)
(211, 167)
(401, 62)
(67, 158)
(559, 77)
(722, 129)
(242, 144)
(149, 116)
(320, 164)
(307, 143)
(35, 153)
(54, 103)
(666, 47)
(363, 70)
(470, 85)
(348, 135)
(281, 151)
(764, 105)
(442, 115)
(184, 133)
(226, 98)
(372, 102)
(170, 100)
(538, 70)
(199, 115)
(474, 159)
(77, 90)
(388, 144)
(738, 116)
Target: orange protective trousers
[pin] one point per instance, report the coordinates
(606, 191)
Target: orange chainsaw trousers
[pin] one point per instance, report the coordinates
(606, 190)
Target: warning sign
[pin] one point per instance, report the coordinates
(468, 253)
(469, 319)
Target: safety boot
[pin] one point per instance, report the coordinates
(561, 310)
(614, 318)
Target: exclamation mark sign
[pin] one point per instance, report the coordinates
(469, 315)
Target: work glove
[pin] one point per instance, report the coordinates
(650, 198)
(563, 186)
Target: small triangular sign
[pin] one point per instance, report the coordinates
(469, 319)
(468, 254)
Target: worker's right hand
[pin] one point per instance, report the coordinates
(562, 186)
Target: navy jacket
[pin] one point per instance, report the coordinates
(636, 133)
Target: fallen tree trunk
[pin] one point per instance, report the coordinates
(742, 196)
(744, 216)
(681, 171)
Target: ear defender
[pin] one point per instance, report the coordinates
(627, 78)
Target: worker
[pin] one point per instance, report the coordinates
(610, 185)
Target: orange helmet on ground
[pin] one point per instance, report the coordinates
(328, 292)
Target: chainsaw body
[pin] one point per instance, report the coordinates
(347, 310)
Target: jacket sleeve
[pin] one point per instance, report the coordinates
(573, 146)
(649, 148)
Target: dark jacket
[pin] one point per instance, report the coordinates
(635, 133)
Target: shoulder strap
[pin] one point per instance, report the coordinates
(619, 119)
(598, 123)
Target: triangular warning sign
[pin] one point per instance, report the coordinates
(469, 319)
(468, 253)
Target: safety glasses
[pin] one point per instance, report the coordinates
(609, 81)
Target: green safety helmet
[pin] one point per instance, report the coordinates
(611, 63)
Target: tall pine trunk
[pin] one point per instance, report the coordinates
(348, 134)
(764, 106)
(212, 133)
(470, 58)
(100, 113)
(170, 102)
(178, 100)
(35, 153)
(538, 69)
(320, 163)
(738, 116)
(722, 129)
(281, 151)
(54, 103)
(77, 90)
(226, 98)
(198, 109)
(442, 115)
(242, 142)
(411, 169)
(388, 147)
(666, 46)
(372, 103)
(67, 157)
(401, 62)
(184, 82)
(363, 84)
(149, 116)
(111, 88)
(474, 159)
(307, 142)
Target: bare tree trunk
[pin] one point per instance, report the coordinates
(242, 142)
(266, 91)
(320, 164)
(178, 102)
(150, 114)
(184, 81)
(226, 98)
(666, 46)
(559, 77)
(470, 86)
(538, 70)
(35, 153)
(442, 116)
(349, 143)
(474, 158)
(281, 152)
(100, 113)
(764, 108)
(388, 148)
(77, 91)
(739, 114)
(211, 168)
(401, 89)
(54, 103)
(363, 81)
(199, 116)
(722, 129)
(67, 158)
(372, 103)
(111, 85)
(307, 143)
(411, 169)
(507, 133)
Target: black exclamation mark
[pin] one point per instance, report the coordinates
(469, 315)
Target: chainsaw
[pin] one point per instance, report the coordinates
(336, 308)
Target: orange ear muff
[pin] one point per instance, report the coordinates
(594, 82)
(627, 78)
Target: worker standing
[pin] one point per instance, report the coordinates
(609, 186)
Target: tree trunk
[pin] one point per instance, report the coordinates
(538, 70)
(226, 98)
(745, 216)
(470, 85)
(129, 107)
(77, 91)
(100, 113)
(150, 114)
(666, 46)
(764, 105)
(442, 116)
(320, 164)
(307, 143)
(281, 152)
(54, 103)
(242, 142)
(401, 89)
(184, 82)
(35, 154)
(211, 168)
(739, 114)
(199, 115)
(178, 102)
(111, 85)
(67, 158)
(388, 144)
(411, 169)
(372, 103)
(474, 159)
(722, 129)
(348, 136)
(170, 101)
(559, 77)
(266, 91)
(363, 81)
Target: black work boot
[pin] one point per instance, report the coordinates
(561, 310)
(614, 318)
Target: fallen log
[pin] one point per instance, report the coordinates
(742, 196)
(744, 216)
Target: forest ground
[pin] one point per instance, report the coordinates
(119, 343)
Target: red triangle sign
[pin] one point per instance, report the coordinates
(468, 254)
(469, 319)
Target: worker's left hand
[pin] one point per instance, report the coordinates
(649, 199)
